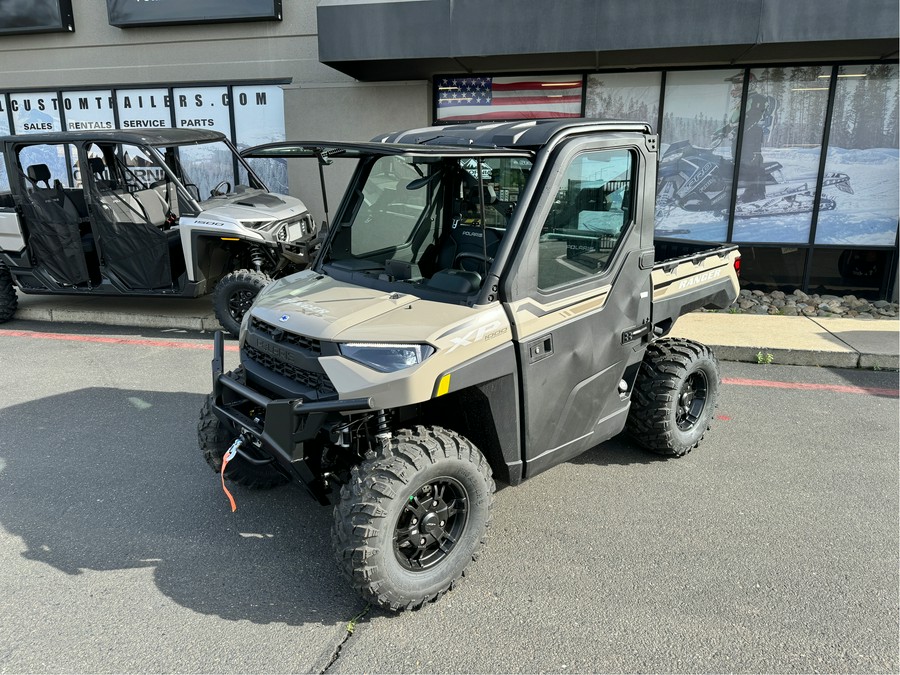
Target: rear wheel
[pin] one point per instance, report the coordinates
(233, 296)
(674, 396)
(9, 302)
(214, 440)
(411, 520)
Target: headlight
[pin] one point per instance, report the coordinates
(386, 358)
(291, 230)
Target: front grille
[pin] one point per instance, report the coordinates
(316, 381)
(282, 336)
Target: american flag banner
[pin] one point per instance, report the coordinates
(508, 98)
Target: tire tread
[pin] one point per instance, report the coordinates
(365, 502)
(666, 362)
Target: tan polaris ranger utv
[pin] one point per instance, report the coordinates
(486, 305)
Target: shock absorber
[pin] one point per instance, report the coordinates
(257, 258)
(382, 430)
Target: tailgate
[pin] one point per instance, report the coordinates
(707, 279)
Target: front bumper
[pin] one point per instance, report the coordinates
(275, 429)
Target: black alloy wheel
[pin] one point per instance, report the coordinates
(239, 302)
(430, 524)
(692, 400)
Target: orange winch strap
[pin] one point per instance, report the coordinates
(227, 457)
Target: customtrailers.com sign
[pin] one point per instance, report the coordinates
(128, 13)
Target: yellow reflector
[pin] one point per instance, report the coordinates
(444, 385)
(230, 238)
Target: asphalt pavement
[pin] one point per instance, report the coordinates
(770, 548)
(783, 340)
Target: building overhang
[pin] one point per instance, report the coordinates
(417, 39)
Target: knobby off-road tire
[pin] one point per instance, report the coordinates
(674, 396)
(215, 440)
(233, 296)
(411, 519)
(9, 302)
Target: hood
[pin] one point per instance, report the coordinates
(320, 307)
(254, 206)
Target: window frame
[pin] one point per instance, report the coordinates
(565, 160)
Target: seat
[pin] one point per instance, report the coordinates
(97, 169)
(48, 195)
(37, 173)
(464, 247)
(121, 207)
(153, 205)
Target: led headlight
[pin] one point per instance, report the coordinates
(386, 357)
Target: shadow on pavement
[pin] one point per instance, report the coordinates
(619, 450)
(104, 479)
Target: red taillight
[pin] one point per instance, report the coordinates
(737, 266)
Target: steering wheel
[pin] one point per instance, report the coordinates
(216, 192)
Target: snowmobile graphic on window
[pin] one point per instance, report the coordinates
(698, 179)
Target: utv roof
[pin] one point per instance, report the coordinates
(503, 138)
(133, 136)
(522, 134)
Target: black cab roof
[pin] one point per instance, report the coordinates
(522, 134)
(521, 138)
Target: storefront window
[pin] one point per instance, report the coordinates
(88, 110)
(144, 108)
(483, 97)
(863, 148)
(204, 108)
(769, 269)
(35, 113)
(696, 170)
(784, 117)
(258, 119)
(849, 271)
(4, 130)
(623, 96)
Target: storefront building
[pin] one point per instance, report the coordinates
(778, 119)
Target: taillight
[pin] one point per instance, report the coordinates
(737, 266)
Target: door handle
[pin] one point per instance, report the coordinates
(540, 349)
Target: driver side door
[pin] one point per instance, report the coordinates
(583, 302)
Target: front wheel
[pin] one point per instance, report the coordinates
(674, 396)
(413, 517)
(233, 296)
(9, 302)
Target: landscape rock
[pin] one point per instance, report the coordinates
(798, 303)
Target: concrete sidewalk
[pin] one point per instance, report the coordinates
(789, 340)
(796, 340)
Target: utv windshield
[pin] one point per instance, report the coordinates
(430, 223)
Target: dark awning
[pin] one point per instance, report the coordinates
(417, 39)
